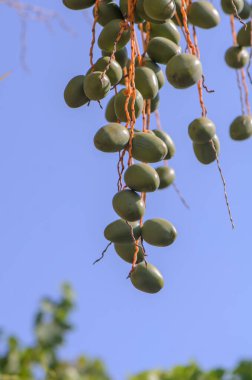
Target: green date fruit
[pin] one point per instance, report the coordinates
(141, 12)
(74, 94)
(120, 103)
(109, 34)
(157, 70)
(167, 30)
(159, 10)
(244, 35)
(124, 9)
(166, 176)
(155, 103)
(241, 128)
(126, 252)
(159, 232)
(128, 205)
(114, 71)
(141, 177)
(78, 4)
(205, 153)
(183, 71)
(201, 130)
(96, 85)
(107, 11)
(121, 56)
(168, 142)
(146, 82)
(246, 11)
(120, 232)
(236, 57)
(147, 278)
(110, 114)
(111, 138)
(161, 50)
(232, 6)
(147, 147)
(203, 14)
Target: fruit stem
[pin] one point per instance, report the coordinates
(91, 51)
(103, 253)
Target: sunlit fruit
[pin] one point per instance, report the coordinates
(147, 278)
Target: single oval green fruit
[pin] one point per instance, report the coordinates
(126, 252)
(109, 35)
(96, 85)
(243, 36)
(203, 14)
(78, 4)
(201, 130)
(111, 138)
(157, 70)
(120, 101)
(74, 94)
(241, 128)
(147, 147)
(236, 57)
(107, 11)
(167, 30)
(160, 10)
(159, 232)
(120, 232)
(147, 278)
(232, 6)
(128, 205)
(166, 176)
(141, 12)
(146, 82)
(121, 56)
(183, 71)
(141, 177)
(114, 72)
(205, 153)
(246, 11)
(161, 49)
(168, 142)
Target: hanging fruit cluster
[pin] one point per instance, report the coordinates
(237, 57)
(140, 76)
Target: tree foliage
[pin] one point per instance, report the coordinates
(41, 360)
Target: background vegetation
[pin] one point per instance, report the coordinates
(41, 359)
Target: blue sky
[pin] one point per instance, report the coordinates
(56, 197)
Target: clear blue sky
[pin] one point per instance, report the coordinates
(56, 192)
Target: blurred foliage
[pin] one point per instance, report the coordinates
(41, 360)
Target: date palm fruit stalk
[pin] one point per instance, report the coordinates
(138, 68)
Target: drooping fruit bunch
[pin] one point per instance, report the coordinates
(134, 78)
(237, 57)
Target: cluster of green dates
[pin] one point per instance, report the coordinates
(183, 70)
(157, 232)
(237, 57)
(151, 147)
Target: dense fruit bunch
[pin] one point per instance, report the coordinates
(237, 57)
(140, 78)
